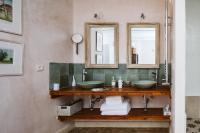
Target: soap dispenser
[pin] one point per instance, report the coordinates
(73, 82)
(113, 83)
(120, 82)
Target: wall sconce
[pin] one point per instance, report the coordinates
(142, 16)
(98, 15)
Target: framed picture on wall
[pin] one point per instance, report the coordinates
(11, 58)
(99, 41)
(11, 16)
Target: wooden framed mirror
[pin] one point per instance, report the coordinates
(143, 49)
(101, 45)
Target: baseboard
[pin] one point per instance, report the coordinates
(131, 124)
(66, 129)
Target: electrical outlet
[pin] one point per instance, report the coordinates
(39, 68)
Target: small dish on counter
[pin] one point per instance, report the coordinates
(99, 89)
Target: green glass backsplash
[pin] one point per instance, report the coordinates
(62, 73)
(59, 73)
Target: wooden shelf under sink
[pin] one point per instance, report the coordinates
(126, 91)
(136, 114)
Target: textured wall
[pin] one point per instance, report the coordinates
(47, 26)
(121, 11)
(25, 104)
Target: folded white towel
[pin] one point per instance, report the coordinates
(116, 112)
(113, 107)
(114, 99)
(114, 102)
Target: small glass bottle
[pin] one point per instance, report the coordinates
(113, 82)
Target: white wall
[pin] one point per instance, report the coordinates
(25, 103)
(122, 12)
(192, 59)
(192, 48)
(178, 69)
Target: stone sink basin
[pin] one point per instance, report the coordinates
(145, 84)
(90, 84)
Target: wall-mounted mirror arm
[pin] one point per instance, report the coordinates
(77, 39)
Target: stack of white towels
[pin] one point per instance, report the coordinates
(115, 105)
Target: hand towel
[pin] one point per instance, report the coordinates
(111, 107)
(116, 112)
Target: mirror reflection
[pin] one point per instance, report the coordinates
(143, 45)
(101, 45)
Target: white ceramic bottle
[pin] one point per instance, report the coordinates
(73, 82)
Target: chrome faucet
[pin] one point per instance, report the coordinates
(155, 75)
(146, 101)
(94, 100)
(83, 75)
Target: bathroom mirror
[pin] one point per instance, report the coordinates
(101, 45)
(143, 45)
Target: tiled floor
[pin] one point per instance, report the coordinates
(119, 130)
(193, 125)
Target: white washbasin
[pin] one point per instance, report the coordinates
(145, 83)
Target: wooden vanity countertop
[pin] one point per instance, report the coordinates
(125, 91)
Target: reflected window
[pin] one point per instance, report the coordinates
(101, 45)
(143, 45)
(143, 42)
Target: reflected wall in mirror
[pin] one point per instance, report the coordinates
(143, 45)
(101, 45)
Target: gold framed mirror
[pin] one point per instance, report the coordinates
(143, 48)
(101, 45)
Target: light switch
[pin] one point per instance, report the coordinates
(39, 68)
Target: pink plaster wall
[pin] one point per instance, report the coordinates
(25, 106)
(121, 11)
(47, 27)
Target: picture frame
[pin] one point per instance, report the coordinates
(11, 58)
(11, 16)
(99, 41)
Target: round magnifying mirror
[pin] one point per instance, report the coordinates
(77, 38)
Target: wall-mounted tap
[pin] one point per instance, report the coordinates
(83, 75)
(94, 100)
(155, 75)
(146, 101)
